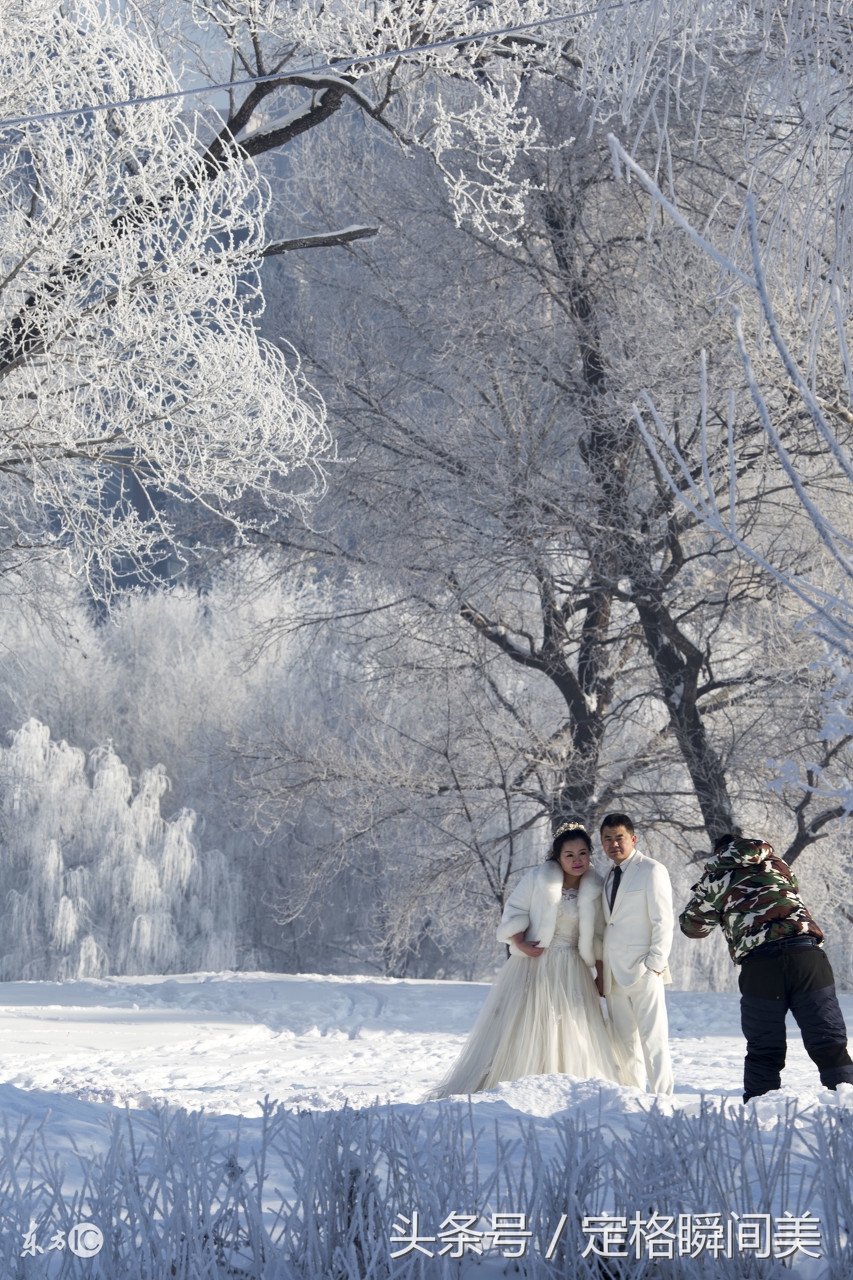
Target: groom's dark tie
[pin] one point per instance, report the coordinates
(617, 876)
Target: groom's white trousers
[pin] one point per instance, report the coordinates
(638, 1014)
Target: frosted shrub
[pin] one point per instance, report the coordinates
(93, 880)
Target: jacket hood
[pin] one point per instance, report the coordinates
(738, 852)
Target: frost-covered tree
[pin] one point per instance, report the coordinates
(496, 475)
(168, 681)
(93, 880)
(803, 400)
(177, 678)
(455, 78)
(130, 366)
(521, 443)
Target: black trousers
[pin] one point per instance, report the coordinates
(798, 978)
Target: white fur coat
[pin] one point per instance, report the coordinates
(532, 909)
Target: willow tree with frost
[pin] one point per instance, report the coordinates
(93, 879)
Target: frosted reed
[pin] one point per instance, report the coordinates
(310, 1195)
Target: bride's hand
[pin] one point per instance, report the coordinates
(530, 948)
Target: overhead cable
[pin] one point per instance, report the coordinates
(329, 68)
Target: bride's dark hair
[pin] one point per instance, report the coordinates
(568, 831)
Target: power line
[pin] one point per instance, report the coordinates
(340, 64)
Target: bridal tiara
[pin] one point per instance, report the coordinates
(570, 826)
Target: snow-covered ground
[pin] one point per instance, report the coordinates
(72, 1053)
(221, 1042)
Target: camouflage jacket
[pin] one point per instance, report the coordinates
(752, 895)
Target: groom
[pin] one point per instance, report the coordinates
(638, 917)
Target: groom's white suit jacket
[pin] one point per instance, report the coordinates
(638, 932)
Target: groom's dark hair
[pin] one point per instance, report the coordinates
(617, 820)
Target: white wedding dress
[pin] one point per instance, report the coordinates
(541, 1016)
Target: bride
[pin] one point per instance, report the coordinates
(543, 1014)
